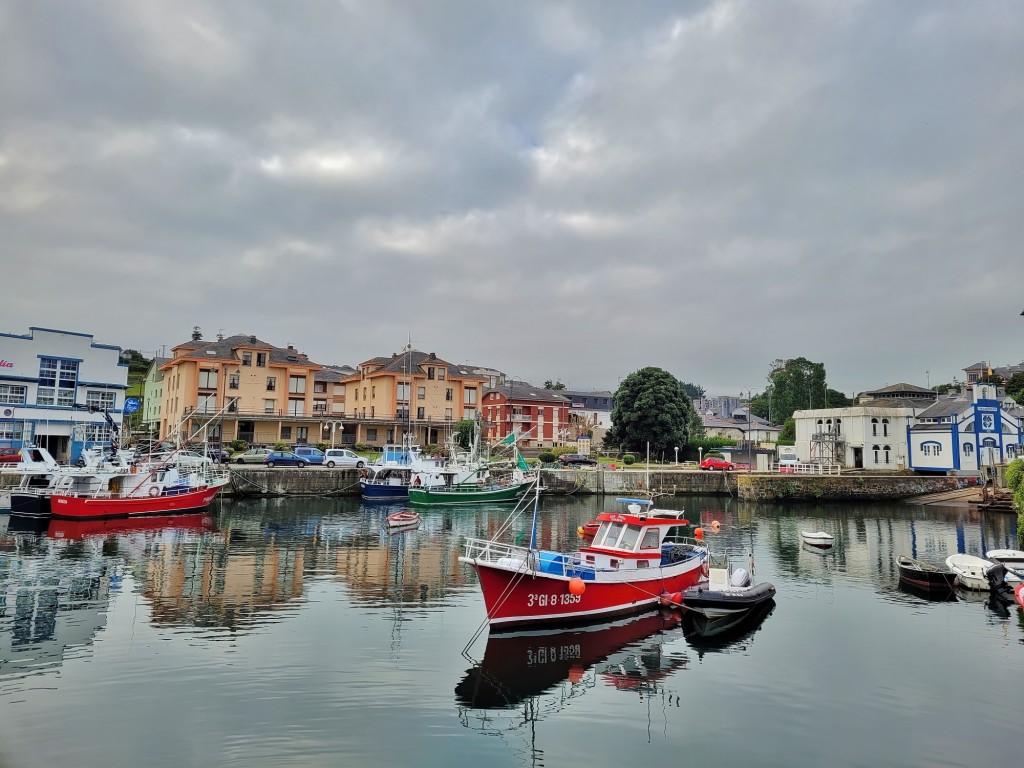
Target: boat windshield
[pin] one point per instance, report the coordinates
(617, 536)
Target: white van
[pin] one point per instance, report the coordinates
(343, 457)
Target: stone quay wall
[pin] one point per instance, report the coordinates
(260, 481)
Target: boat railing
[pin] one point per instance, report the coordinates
(493, 551)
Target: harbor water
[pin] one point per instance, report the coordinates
(297, 632)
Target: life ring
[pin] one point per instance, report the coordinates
(154, 491)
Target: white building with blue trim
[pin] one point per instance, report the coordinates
(966, 432)
(43, 375)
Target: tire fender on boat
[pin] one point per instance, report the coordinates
(154, 491)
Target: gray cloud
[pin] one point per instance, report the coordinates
(564, 190)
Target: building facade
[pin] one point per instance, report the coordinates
(153, 397)
(541, 418)
(593, 408)
(965, 431)
(239, 388)
(411, 392)
(44, 375)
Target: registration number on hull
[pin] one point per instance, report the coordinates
(543, 601)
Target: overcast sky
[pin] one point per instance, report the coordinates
(561, 190)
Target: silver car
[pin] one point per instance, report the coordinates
(343, 457)
(253, 456)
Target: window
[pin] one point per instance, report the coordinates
(296, 407)
(286, 433)
(650, 539)
(885, 451)
(102, 400)
(448, 413)
(421, 413)
(449, 394)
(430, 374)
(57, 382)
(296, 385)
(320, 387)
(206, 403)
(839, 426)
(233, 405)
(12, 430)
(13, 394)
(469, 396)
(629, 537)
(371, 435)
(885, 427)
(233, 381)
(402, 392)
(875, 449)
(931, 448)
(319, 406)
(968, 449)
(261, 359)
(269, 406)
(207, 379)
(469, 413)
(302, 435)
(874, 427)
(97, 433)
(271, 383)
(247, 358)
(440, 374)
(402, 413)
(421, 393)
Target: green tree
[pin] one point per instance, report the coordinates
(464, 433)
(695, 391)
(555, 386)
(652, 407)
(787, 435)
(1015, 387)
(795, 385)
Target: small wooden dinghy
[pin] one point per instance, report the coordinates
(925, 575)
(403, 520)
(818, 539)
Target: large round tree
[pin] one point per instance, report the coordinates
(651, 407)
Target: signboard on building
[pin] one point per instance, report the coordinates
(583, 445)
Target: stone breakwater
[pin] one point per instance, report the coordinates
(259, 481)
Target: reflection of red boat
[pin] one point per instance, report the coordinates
(518, 665)
(80, 529)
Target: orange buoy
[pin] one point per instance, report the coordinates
(677, 598)
(715, 525)
(698, 533)
(576, 586)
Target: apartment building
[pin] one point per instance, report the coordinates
(409, 392)
(241, 387)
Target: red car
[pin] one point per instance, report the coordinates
(713, 463)
(10, 455)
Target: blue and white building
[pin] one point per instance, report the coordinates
(43, 375)
(965, 432)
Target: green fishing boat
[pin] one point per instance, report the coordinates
(470, 493)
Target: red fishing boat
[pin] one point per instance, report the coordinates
(175, 502)
(635, 560)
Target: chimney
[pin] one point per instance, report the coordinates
(252, 339)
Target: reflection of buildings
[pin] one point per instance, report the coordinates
(49, 603)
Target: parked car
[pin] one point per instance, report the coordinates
(219, 455)
(284, 459)
(309, 453)
(10, 455)
(343, 457)
(253, 456)
(713, 463)
(577, 460)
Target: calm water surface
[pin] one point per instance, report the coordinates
(294, 632)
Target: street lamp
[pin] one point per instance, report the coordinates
(677, 455)
(336, 426)
(750, 447)
(700, 455)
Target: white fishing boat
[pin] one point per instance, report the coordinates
(972, 572)
(1013, 559)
